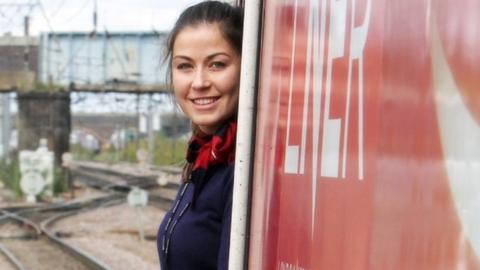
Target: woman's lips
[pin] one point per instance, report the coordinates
(205, 102)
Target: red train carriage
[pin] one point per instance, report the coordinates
(367, 145)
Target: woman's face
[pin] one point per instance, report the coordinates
(205, 75)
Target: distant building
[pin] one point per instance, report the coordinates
(18, 62)
(103, 60)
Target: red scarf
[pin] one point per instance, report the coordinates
(206, 152)
(215, 149)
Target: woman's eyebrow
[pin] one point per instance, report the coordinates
(208, 56)
(217, 54)
(181, 57)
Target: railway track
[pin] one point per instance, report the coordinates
(7, 260)
(110, 179)
(28, 246)
(117, 177)
(32, 225)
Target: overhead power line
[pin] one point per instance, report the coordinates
(15, 11)
(60, 6)
(45, 16)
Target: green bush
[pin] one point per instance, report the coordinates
(167, 151)
(10, 175)
(59, 181)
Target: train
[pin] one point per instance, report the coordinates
(359, 136)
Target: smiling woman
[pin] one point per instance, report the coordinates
(204, 49)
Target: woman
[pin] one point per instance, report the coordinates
(204, 51)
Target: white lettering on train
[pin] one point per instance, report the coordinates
(331, 160)
(289, 266)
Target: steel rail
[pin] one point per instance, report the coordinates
(92, 262)
(7, 215)
(131, 177)
(117, 194)
(12, 258)
(72, 208)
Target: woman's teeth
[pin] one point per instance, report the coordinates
(204, 101)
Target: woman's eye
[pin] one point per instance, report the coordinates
(218, 65)
(183, 66)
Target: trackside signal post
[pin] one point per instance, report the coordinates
(138, 198)
(36, 168)
(4, 125)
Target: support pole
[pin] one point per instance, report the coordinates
(238, 258)
(5, 125)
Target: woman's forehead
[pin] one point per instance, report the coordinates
(201, 38)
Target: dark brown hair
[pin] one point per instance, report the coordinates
(230, 21)
(228, 17)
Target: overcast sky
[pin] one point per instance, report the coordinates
(77, 15)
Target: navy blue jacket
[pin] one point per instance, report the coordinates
(195, 233)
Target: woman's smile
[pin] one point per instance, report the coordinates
(204, 101)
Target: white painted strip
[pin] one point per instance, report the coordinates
(290, 94)
(347, 106)
(331, 145)
(336, 50)
(360, 120)
(338, 21)
(306, 93)
(319, 59)
(360, 33)
(291, 159)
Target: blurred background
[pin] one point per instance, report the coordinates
(88, 76)
(91, 141)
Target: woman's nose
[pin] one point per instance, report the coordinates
(200, 79)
